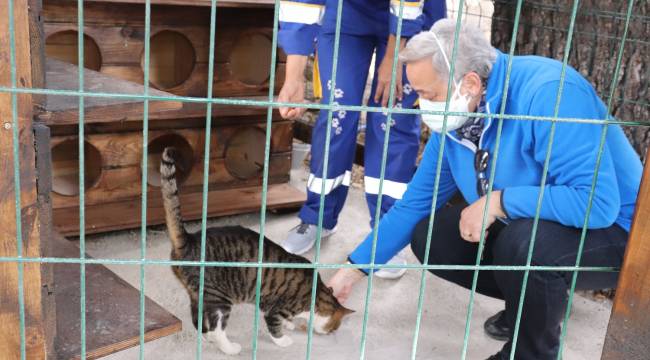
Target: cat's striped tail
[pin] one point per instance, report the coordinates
(171, 201)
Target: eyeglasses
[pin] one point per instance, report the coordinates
(480, 166)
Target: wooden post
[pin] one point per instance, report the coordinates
(35, 343)
(628, 334)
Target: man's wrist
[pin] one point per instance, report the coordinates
(356, 270)
(295, 68)
(496, 202)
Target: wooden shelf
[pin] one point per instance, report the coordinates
(126, 214)
(220, 3)
(199, 110)
(64, 110)
(112, 309)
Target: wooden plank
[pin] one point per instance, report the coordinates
(190, 116)
(124, 183)
(222, 114)
(225, 83)
(112, 310)
(126, 214)
(117, 13)
(628, 334)
(37, 44)
(120, 45)
(35, 343)
(125, 149)
(44, 189)
(61, 109)
(220, 3)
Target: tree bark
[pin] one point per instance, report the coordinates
(597, 36)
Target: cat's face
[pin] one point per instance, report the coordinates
(334, 321)
(327, 323)
(329, 312)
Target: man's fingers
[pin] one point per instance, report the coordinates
(284, 112)
(291, 113)
(399, 90)
(379, 91)
(384, 99)
(342, 297)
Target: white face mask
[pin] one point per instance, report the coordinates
(457, 103)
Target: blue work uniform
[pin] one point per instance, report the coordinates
(306, 25)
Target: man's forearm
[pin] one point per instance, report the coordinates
(295, 67)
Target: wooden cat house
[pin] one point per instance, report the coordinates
(114, 34)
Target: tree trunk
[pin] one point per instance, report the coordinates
(599, 27)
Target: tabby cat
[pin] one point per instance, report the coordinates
(285, 293)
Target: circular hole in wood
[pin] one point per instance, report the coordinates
(245, 153)
(64, 46)
(184, 160)
(65, 167)
(171, 60)
(250, 59)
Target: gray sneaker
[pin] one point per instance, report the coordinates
(393, 273)
(303, 237)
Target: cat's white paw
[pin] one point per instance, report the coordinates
(289, 325)
(283, 341)
(231, 348)
(210, 336)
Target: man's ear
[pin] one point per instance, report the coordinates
(472, 84)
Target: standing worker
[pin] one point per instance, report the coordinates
(367, 27)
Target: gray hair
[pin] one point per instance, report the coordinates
(474, 52)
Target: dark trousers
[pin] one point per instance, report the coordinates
(547, 291)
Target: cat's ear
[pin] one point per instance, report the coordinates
(346, 311)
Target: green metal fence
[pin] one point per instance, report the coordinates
(271, 104)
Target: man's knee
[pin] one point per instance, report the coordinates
(511, 245)
(419, 239)
(440, 251)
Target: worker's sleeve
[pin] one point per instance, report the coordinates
(300, 22)
(434, 10)
(416, 15)
(396, 227)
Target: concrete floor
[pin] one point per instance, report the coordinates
(392, 311)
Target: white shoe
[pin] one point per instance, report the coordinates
(393, 273)
(303, 237)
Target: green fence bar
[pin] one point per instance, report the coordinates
(531, 246)
(206, 175)
(265, 178)
(145, 175)
(82, 173)
(595, 179)
(382, 174)
(16, 156)
(275, 104)
(321, 206)
(49, 260)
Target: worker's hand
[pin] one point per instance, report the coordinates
(343, 281)
(382, 92)
(471, 218)
(293, 89)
